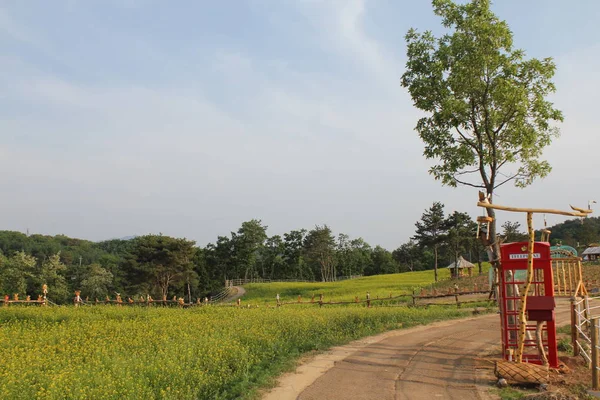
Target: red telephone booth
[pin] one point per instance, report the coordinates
(540, 302)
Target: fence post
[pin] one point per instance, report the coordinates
(594, 344)
(574, 328)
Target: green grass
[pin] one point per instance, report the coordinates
(109, 352)
(378, 285)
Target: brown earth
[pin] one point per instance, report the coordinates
(443, 360)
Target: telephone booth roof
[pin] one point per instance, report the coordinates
(516, 254)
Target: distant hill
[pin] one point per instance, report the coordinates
(576, 232)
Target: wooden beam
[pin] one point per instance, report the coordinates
(486, 204)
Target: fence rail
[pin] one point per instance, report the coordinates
(585, 326)
(241, 282)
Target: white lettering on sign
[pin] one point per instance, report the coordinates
(522, 256)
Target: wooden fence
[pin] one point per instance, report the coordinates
(241, 282)
(585, 326)
(118, 300)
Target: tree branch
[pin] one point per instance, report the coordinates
(507, 180)
(514, 153)
(469, 184)
(467, 172)
(467, 140)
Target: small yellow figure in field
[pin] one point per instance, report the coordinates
(77, 300)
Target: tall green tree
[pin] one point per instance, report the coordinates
(219, 259)
(272, 260)
(17, 273)
(353, 255)
(460, 233)
(319, 250)
(53, 274)
(382, 262)
(293, 254)
(430, 231)
(487, 115)
(409, 256)
(96, 282)
(161, 262)
(248, 243)
(511, 232)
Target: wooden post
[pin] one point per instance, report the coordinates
(594, 344)
(523, 305)
(574, 330)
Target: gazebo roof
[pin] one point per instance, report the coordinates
(591, 250)
(462, 263)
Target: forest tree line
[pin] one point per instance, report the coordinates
(165, 266)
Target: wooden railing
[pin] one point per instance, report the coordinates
(241, 282)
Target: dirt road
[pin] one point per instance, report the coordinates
(239, 292)
(437, 361)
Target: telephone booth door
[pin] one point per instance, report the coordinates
(539, 306)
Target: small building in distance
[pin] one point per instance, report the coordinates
(465, 268)
(591, 254)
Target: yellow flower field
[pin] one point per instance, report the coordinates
(108, 352)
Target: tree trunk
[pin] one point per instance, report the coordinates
(492, 247)
(435, 265)
(456, 270)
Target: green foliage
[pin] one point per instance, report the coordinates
(165, 266)
(511, 232)
(203, 353)
(430, 230)
(52, 274)
(577, 233)
(460, 232)
(355, 256)
(159, 262)
(248, 244)
(409, 255)
(97, 282)
(319, 252)
(382, 262)
(17, 273)
(486, 103)
(487, 118)
(565, 345)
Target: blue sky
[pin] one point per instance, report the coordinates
(187, 118)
